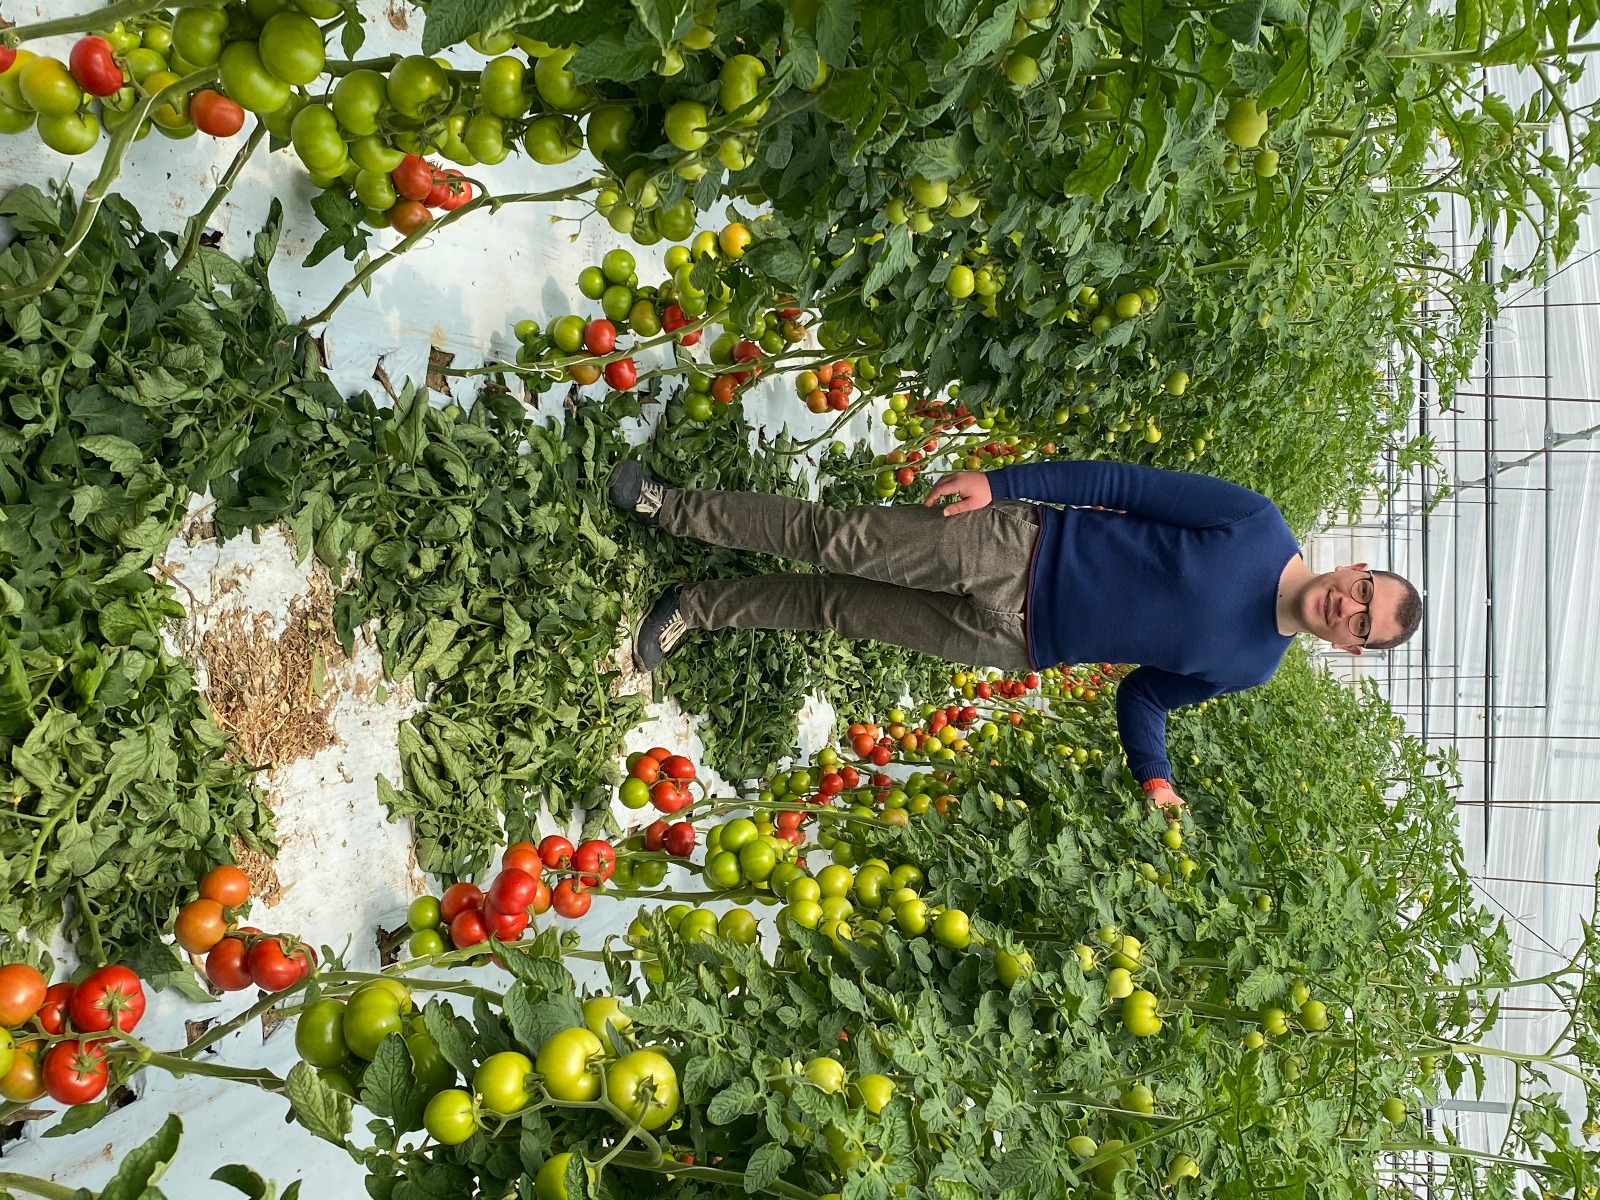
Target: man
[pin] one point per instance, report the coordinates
(1197, 580)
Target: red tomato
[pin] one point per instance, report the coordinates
(599, 336)
(111, 996)
(832, 783)
(680, 839)
(22, 991)
(645, 768)
(745, 351)
(227, 885)
(408, 216)
(75, 1072)
(843, 367)
(214, 114)
(879, 779)
(513, 890)
(596, 859)
(678, 767)
(556, 852)
(722, 389)
(985, 691)
(53, 1012)
(788, 819)
(413, 178)
(863, 744)
(659, 753)
(524, 856)
(504, 926)
(655, 835)
(459, 898)
(468, 929)
(905, 476)
(825, 374)
(8, 58)
(570, 899)
(794, 837)
(969, 714)
(450, 190)
(540, 904)
(622, 374)
(94, 67)
(669, 797)
(850, 777)
(272, 968)
(673, 318)
(226, 966)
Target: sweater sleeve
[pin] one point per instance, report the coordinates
(1144, 699)
(1183, 498)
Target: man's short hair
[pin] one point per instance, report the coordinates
(1408, 614)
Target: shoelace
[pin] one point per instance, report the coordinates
(651, 494)
(672, 632)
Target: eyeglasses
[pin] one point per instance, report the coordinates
(1362, 593)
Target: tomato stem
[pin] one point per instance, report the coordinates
(49, 1189)
(197, 223)
(733, 1179)
(98, 18)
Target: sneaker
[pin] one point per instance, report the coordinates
(661, 630)
(636, 493)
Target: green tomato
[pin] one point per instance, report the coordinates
(315, 133)
(603, 1012)
(634, 793)
(563, 1062)
(686, 125)
(698, 925)
(868, 886)
(807, 913)
(416, 84)
(1012, 967)
(197, 35)
(738, 833)
(449, 1117)
(369, 1017)
(501, 1081)
(611, 132)
(291, 48)
(17, 120)
(738, 84)
(375, 190)
(592, 283)
(827, 1073)
(567, 333)
(281, 120)
(428, 1066)
(423, 942)
(615, 301)
(49, 89)
(248, 81)
(873, 1092)
(1394, 1110)
(550, 139)
(319, 1032)
(69, 133)
(372, 153)
(738, 925)
(650, 872)
(485, 139)
(722, 870)
(551, 1181)
(912, 917)
(618, 266)
(557, 86)
(645, 320)
(500, 88)
(356, 101)
(951, 928)
(757, 860)
(644, 1085)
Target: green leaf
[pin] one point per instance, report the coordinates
(766, 1164)
(1099, 170)
(622, 55)
(450, 21)
(1241, 21)
(78, 1118)
(388, 1086)
(144, 1164)
(323, 1111)
(450, 1036)
(125, 458)
(241, 1178)
(664, 20)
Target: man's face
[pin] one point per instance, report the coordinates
(1332, 611)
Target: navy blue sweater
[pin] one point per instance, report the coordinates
(1183, 581)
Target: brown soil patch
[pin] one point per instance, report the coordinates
(259, 869)
(273, 691)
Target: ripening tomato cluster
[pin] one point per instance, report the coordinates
(238, 956)
(660, 778)
(828, 388)
(66, 1061)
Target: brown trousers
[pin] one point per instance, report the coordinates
(953, 587)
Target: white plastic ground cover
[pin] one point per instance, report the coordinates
(344, 869)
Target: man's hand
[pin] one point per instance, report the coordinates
(1159, 792)
(970, 487)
